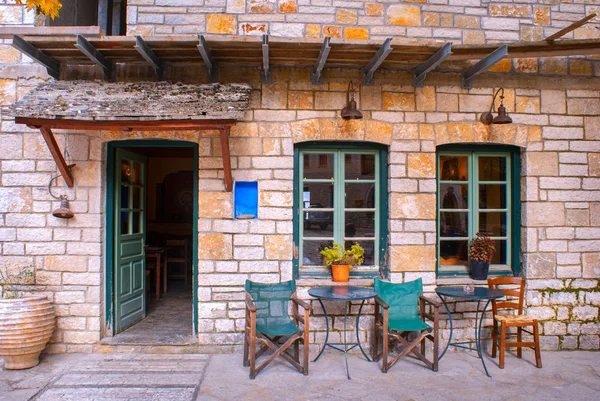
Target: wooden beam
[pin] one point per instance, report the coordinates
(124, 125)
(52, 66)
(224, 133)
(266, 76)
(570, 28)
(369, 70)
(483, 64)
(93, 54)
(64, 169)
(317, 70)
(148, 54)
(432, 62)
(213, 69)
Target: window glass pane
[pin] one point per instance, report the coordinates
(136, 227)
(454, 196)
(125, 171)
(360, 195)
(137, 173)
(318, 166)
(369, 247)
(359, 166)
(318, 224)
(137, 198)
(492, 196)
(493, 224)
(454, 253)
(492, 168)
(312, 252)
(454, 168)
(360, 224)
(454, 224)
(124, 197)
(500, 255)
(124, 222)
(317, 195)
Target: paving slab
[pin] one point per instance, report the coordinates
(173, 377)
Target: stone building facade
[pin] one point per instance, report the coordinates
(554, 103)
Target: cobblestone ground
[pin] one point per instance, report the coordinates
(154, 377)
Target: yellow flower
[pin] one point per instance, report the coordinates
(46, 7)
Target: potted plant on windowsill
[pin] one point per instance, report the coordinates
(481, 253)
(26, 321)
(342, 260)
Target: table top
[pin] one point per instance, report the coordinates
(342, 292)
(480, 293)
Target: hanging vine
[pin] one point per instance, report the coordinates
(46, 7)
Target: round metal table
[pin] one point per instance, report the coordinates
(480, 294)
(345, 293)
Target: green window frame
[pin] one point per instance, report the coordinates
(478, 190)
(335, 216)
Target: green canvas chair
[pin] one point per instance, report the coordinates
(400, 309)
(268, 322)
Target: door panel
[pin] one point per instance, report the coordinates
(130, 176)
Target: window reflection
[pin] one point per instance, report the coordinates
(492, 168)
(318, 166)
(454, 168)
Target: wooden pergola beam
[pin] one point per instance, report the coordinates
(57, 155)
(570, 28)
(52, 66)
(93, 54)
(211, 65)
(317, 70)
(266, 76)
(46, 125)
(148, 54)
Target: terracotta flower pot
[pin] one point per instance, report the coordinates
(340, 273)
(26, 325)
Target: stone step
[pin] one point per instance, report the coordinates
(104, 348)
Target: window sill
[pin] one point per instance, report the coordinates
(327, 281)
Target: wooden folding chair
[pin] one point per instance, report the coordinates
(268, 322)
(400, 309)
(514, 301)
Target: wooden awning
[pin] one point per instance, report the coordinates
(59, 47)
(147, 106)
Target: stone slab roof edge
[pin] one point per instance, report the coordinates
(142, 101)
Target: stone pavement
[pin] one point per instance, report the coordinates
(134, 376)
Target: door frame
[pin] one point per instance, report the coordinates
(109, 279)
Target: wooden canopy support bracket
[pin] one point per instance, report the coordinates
(368, 71)
(148, 54)
(570, 28)
(317, 70)
(224, 133)
(211, 65)
(93, 54)
(57, 155)
(266, 75)
(52, 66)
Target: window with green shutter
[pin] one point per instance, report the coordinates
(478, 191)
(340, 196)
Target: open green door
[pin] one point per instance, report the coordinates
(129, 262)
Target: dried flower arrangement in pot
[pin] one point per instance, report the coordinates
(481, 253)
(341, 260)
(26, 321)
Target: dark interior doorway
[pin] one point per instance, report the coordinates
(170, 196)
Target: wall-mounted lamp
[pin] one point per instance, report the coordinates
(351, 112)
(63, 212)
(502, 118)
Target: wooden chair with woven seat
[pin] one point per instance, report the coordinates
(514, 287)
(177, 254)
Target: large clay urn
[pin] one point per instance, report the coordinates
(26, 325)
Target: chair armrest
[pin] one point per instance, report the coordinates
(301, 303)
(430, 301)
(250, 303)
(381, 302)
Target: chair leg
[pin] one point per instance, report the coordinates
(502, 344)
(384, 356)
(252, 353)
(246, 348)
(494, 339)
(375, 345)
(536, 338)
(519, 336)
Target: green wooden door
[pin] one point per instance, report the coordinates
(129, 263)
